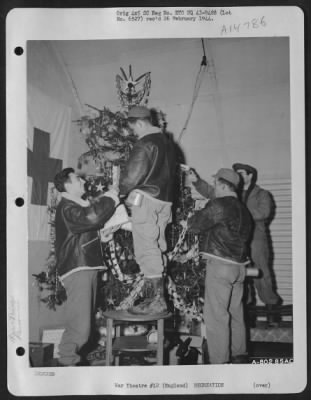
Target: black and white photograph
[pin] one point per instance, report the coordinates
(158, 214)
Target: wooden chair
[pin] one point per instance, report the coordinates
(134, 344)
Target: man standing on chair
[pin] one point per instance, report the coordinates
(260, 205)
(78, 257)
(148, 182)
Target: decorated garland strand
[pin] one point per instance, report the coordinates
(134, 294)
(136, 281)
(114, 266)
(191, 312)
(48, 281)
(193, 252)
(177, 247)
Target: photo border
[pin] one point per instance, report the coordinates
(308, 217)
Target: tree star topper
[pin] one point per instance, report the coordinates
(133, 92)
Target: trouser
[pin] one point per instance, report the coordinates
(223, 311)
(81, 296)
(149, 221)
(264, 285)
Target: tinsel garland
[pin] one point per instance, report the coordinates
(115, 268)
(179, 300)
(133, 295)
(191, 311)
(135, 280)
(48, 280)
(175, 251)
(123, 274)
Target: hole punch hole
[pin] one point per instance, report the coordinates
(19, 201)
(20, 351)
(18, 51)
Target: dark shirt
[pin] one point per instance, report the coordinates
(77, 243)
(151, 167)
(226, 226)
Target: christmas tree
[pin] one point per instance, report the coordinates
(110, 141)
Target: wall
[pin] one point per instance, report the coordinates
(45, 72)
(242, 112)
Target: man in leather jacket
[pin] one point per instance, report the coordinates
(260, 205)
(148, 182)
(225, 225)
(78, 257)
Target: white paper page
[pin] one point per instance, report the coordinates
(98, 26)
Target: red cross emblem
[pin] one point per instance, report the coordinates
(41, 167)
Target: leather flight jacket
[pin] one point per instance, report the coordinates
(151, 167)
(77, 242)
(226, 227)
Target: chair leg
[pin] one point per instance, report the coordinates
(160, 325)
(109, 341)
(117, 356)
